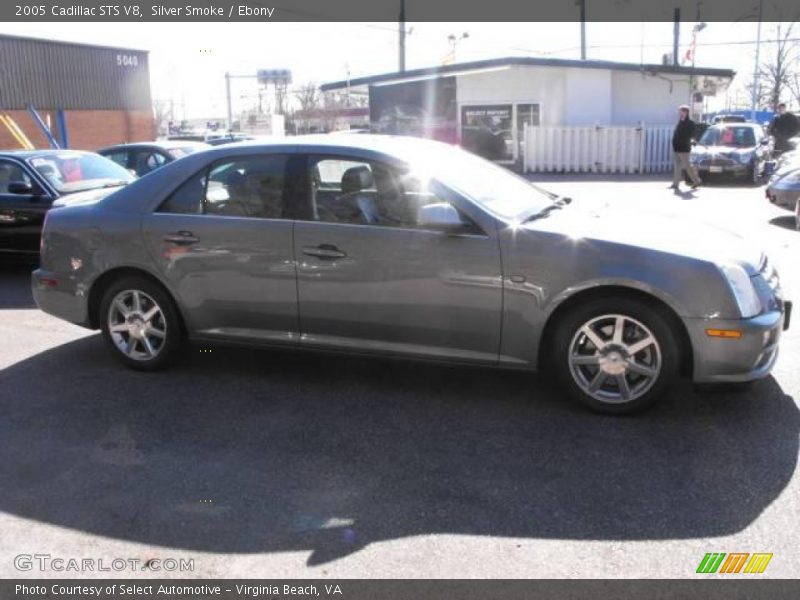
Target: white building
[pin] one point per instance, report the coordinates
(486, 105)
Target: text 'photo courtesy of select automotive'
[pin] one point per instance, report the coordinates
(364, 299)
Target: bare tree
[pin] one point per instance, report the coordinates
(308, 96)
(162, 110)
(777, 73)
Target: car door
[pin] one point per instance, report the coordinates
(22, 210)
(369, 278)
(223, 241)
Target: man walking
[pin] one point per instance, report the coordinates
(784, 126)
(681, 146)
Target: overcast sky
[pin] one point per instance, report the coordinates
(188, 60)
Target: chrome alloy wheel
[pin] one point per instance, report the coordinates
(614, 358)
(136, 324)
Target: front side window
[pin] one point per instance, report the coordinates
(250, 186)
(11, 172)
(359, 192)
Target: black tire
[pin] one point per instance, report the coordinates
(167, 321)
(643, 391)
(753, 175)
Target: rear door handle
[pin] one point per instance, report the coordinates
(181, 237)
(324, 252)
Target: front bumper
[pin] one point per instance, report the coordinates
(736, 169)
(749, 357)
(60, 296)
(785, 198)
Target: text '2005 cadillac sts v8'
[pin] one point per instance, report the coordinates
(406, 247)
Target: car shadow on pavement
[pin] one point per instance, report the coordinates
(787, 222)
(15, 284)
(245, 451)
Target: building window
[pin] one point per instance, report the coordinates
(487, 130)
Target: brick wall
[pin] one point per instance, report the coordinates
(86, 129)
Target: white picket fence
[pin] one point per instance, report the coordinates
(598, 149)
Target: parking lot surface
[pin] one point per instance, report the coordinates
(257, 463)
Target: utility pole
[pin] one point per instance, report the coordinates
(401, 42)
(676, 36)
(754, 99)
(582, 7)
(228, 98)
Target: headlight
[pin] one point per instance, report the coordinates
(694, 158)
(744, 157)
(742, 289)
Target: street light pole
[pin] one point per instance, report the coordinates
(401, 42)
(228, 98)
(754, 99)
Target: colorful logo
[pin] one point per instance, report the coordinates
(735, 562)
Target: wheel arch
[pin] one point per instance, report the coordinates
(101, 284)
(617, 291)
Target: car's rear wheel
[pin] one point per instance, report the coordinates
(140, 323)
(615, 356)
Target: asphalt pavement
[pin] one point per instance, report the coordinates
(258, 463)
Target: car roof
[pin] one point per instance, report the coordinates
(399, 146)
(736, 124)
(25, 154)
(164, 144)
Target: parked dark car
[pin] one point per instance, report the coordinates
(737, 149)
(410, 248)
(142, 158)
(228, 138)
(31, 181)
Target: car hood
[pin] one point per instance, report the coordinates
(652, 231)
(86, 197)
(726, 151)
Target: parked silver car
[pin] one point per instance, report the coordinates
(412, 248)
(783, 188)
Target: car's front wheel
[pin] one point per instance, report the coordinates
(140, 323)
(754, 173)
(615, 356)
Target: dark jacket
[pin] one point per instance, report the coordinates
(782, 128)
(683, 136)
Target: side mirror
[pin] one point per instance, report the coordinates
(440, 216)
(23, 188)
(764, 142)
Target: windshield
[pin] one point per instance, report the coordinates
(495, 188)
(70, 172)
(733, 136)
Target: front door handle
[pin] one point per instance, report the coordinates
(181, 237)
(324, 252)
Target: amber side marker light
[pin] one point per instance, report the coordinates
(733, 334)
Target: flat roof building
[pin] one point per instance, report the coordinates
(104, 92)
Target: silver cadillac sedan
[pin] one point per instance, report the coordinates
(409, 248)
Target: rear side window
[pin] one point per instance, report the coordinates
(120, 157)
(251, 186)
(188, 198)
